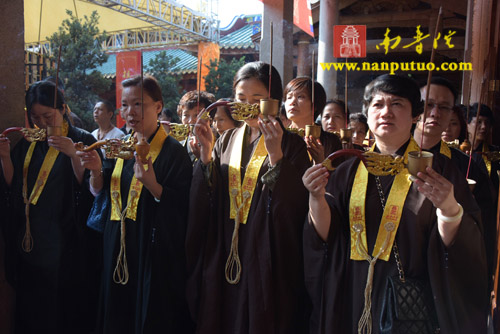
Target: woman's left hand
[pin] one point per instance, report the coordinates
(439, 191)
(63, 144)
(273, 134)
(315, 149)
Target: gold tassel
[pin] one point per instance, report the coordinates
(233, 263)
(120, 274)
(365, 322)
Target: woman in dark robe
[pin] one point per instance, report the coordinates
(437, 240)
(52, 260)
(144, 263)
(244, 247)
(299, 109)
(481, 146)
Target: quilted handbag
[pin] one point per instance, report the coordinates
(407, 308)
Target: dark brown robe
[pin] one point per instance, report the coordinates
(484, 195)
(269, 297)
(457, 274)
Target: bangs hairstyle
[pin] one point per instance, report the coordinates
(42, 92)
(190, 100)
(338, 102)
(260, 71)
(150, 86)
(484, 112)
(305, 84)
(398, 85)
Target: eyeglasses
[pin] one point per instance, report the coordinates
(441, 107)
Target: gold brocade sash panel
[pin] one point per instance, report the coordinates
(445, 150)
(389, 223)
(392, 212)
(120, 274)
(241, 195)
(41, 181)
(485, 158)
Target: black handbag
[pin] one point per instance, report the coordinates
(99, 213)
(407, 306)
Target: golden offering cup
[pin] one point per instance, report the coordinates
(53, 130)
(269, 107)
(417, 162)
(313, 130)
(142, 149)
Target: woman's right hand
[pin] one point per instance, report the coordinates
(205, 137)
(315, 179)
(90, 160)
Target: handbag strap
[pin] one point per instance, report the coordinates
(395, 248)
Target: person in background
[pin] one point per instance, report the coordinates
(222, 119)
(299, 109)
(169, 116)
(333, 116)
(457, 128)
(481, 144)
(103, 115)
(442, 97)
(359, 125)
(188, 109)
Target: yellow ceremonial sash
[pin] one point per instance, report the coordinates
(41, 181)
(487, 162)
(135, 185)
(390, 218)
(445, 150)
(243, 193)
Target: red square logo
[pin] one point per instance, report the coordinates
(349, 41)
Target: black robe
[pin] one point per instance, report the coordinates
(330, 142)
(269, 297)
(457, 274)
(484, 195)
(57, 283)
(153, 300)
(495, 165)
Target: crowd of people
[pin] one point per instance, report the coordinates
(241, 227)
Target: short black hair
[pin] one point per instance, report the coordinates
(485, 112)
(359, 117)
(108, 105)
(260, 71)
(394, 84)
(42, 92)
(440, 81)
